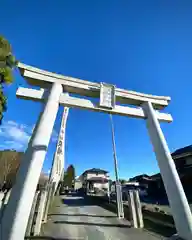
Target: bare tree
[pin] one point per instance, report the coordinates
(9, 164)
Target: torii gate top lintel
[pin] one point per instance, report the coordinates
(38, 77)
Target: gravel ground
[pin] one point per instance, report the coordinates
(74, 217)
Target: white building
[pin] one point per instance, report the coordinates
(78, 183)
(95, 178)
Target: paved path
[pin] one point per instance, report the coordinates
(74, 217)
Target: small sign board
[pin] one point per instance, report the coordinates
(107, 95)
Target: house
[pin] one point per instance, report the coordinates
(125, 186)
(183, 158)
(183, 162)
(141, 179)
(95, 178)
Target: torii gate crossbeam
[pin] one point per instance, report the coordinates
(75, 102)
(16, 214)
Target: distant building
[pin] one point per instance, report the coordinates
(183, 162)
(141, 179)
(125, 186)
(95, 178)
(78, 183)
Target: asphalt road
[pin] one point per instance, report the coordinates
(74, 217)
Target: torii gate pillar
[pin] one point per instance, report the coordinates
(17, 212)
(178, 202)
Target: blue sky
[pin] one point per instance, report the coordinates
(144, 46)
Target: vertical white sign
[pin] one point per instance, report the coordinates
(107, 95)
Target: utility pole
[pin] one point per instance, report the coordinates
(120, 210)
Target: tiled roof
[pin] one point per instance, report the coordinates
(95, 170)
(184, 150)
(140, 177)
(156, 176)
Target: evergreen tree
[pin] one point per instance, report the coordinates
(69, 176)
(7, 63)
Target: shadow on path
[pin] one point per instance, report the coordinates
(149, 225)
(164, 231)
(77, 201)
(47, 238)
(82, 215)
(92, 224)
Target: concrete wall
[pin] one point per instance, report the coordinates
(113, 188)
(188, 160)
(78, 185)
(101, 185)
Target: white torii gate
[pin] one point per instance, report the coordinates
(17, 212)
